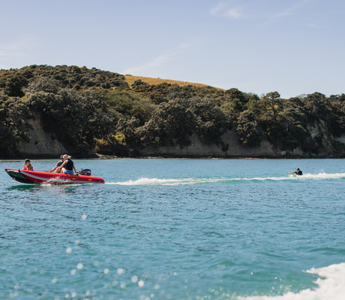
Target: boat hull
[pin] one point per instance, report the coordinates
(36, 177)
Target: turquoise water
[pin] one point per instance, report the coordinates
(175, 229)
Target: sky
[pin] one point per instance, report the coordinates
(294, 47)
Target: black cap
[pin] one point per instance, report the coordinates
(27, 160)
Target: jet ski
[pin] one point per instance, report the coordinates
(38, 177)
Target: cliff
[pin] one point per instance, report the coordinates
(236, 150)
(41, 144)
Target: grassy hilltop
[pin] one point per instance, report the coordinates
(130, 79)
(90, 109)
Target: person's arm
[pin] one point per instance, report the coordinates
(74, 170)
(52, 170)
(65, 162)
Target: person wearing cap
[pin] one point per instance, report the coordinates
(56, 168)
(27, 165)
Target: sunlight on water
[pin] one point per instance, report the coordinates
(331, 285)
(177, 229)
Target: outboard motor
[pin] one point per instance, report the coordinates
(85, 172)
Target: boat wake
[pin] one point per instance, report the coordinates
(331, 285)
(190, 181)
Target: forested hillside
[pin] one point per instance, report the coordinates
(89, 109)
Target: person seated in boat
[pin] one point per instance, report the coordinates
(67, 166)
(27, 165)
(56, 168)
(297, 172)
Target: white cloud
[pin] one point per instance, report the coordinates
(160, 60)
(291, 9)
(222, 10)
(234, 13)
(217, 8)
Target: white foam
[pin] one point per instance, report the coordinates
(156, 181)
(184, 181)
(330, 287)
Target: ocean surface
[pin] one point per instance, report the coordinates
(177, 229)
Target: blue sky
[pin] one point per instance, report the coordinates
(291, 46)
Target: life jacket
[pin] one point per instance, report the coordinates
(69, 165)
(26, 168)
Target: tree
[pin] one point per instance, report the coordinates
(248, 129)
(13, 124)
(74, 119)
(236, 94)
(13, 87)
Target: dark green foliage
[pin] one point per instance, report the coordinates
(74, 119)
(177, 92)
(130, 105)
(236, 94)
(68, 76)
(209, 92)
(14, 115)
(316, 106)
(13, 87)
(171, 124)
(77, 105)
(211, 122)
(140, 86)
(248, 129)
(129, 128)
(174, 122)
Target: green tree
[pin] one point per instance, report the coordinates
(13, 87)
(248, 129)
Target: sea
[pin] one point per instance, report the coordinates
(177, 229)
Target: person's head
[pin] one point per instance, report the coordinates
(65, 156)
(297, 169)
(61, 157)
(27, 162)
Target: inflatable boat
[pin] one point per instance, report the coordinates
(37, 177)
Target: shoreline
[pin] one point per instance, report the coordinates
(102, 157)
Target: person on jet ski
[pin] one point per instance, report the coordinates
(298, 172)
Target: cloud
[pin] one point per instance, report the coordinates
(234, 13)
(253, 11)
(160, 60)
(222, 10)
(290, 10)
(217, 8)
(18, 48)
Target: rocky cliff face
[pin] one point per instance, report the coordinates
(41, 144)
(198, 149)
(235, 149)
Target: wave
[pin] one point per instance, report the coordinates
(331, 285)
(186, 181)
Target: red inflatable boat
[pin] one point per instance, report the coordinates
(36, 177)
